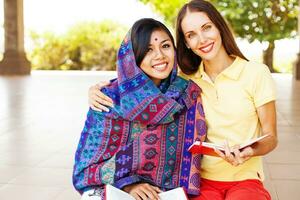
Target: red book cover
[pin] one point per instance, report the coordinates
(207, 148)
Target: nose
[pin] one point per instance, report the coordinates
(158, 54)
(201, 38)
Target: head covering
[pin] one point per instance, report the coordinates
(145, 137)
(133, 90)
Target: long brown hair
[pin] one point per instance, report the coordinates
(188, 61)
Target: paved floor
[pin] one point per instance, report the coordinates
(41, 117)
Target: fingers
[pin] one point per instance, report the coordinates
(220, 153)
(102, 84)
(97, 100)
(99, 94)
(154, 192)
(136, 196)
(144, 191)
(141, 194)
(229, 157)
(237, 155)
(150, 195)
(99, 107)
(150, 191)
(157, 189)
(103, 99)
(234, 155)
(247, 153)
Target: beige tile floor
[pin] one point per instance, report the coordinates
(41, 117)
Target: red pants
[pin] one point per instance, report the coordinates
(235, 190)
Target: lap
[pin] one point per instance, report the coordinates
(249, 189)
(237, 190)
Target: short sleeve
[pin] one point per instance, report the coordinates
(264, 87)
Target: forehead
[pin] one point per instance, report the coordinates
(193, 20)
(158, 36)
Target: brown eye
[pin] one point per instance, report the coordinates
(207, 27)
(166, 46)
(149, 50)
(191, 35)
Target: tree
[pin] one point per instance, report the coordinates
(168, 9)
(93, 45)
(262, 20)
(49, 52)
(85, 46)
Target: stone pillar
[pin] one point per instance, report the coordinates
(297, 66)
(14, 59)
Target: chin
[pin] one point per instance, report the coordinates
(162, 78)
(209, 56)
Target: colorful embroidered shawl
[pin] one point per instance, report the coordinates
(145, 137)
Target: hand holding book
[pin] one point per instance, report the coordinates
(235, 155)
(142, 190)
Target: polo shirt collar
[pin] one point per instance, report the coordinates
(235, 69)
(232, 72)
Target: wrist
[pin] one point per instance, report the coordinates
(126, 188)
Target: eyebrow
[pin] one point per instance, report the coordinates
(161, 42)
(165, 41)
(201, 27)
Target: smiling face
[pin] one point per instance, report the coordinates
(159, 59)
(201, 35)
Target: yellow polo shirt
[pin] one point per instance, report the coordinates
(230, 104)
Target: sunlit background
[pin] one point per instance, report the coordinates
(42, 114)
(58, 16)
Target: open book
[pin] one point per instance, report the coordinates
(113, 193)
(207, 148)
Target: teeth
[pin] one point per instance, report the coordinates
(160, 67)
(205, 49)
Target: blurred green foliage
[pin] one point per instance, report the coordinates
(85, 46)
(262, 20)
(168, 9)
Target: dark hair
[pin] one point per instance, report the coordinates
(141, 34)
(188, 61)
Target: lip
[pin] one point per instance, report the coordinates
(163, 67)
(162, 63)
(207, 48)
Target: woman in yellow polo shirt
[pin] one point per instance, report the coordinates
(238, 98)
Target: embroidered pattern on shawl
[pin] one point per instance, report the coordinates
(145, 137)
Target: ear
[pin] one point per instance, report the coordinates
(187, 46)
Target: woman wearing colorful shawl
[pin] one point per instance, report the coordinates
(141, 144)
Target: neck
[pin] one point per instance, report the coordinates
(156, 81)
(215, 66)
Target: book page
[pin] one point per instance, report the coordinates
(175, 194)
(252, 141)
(207, 148)
(113, 193)
(91, 195)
